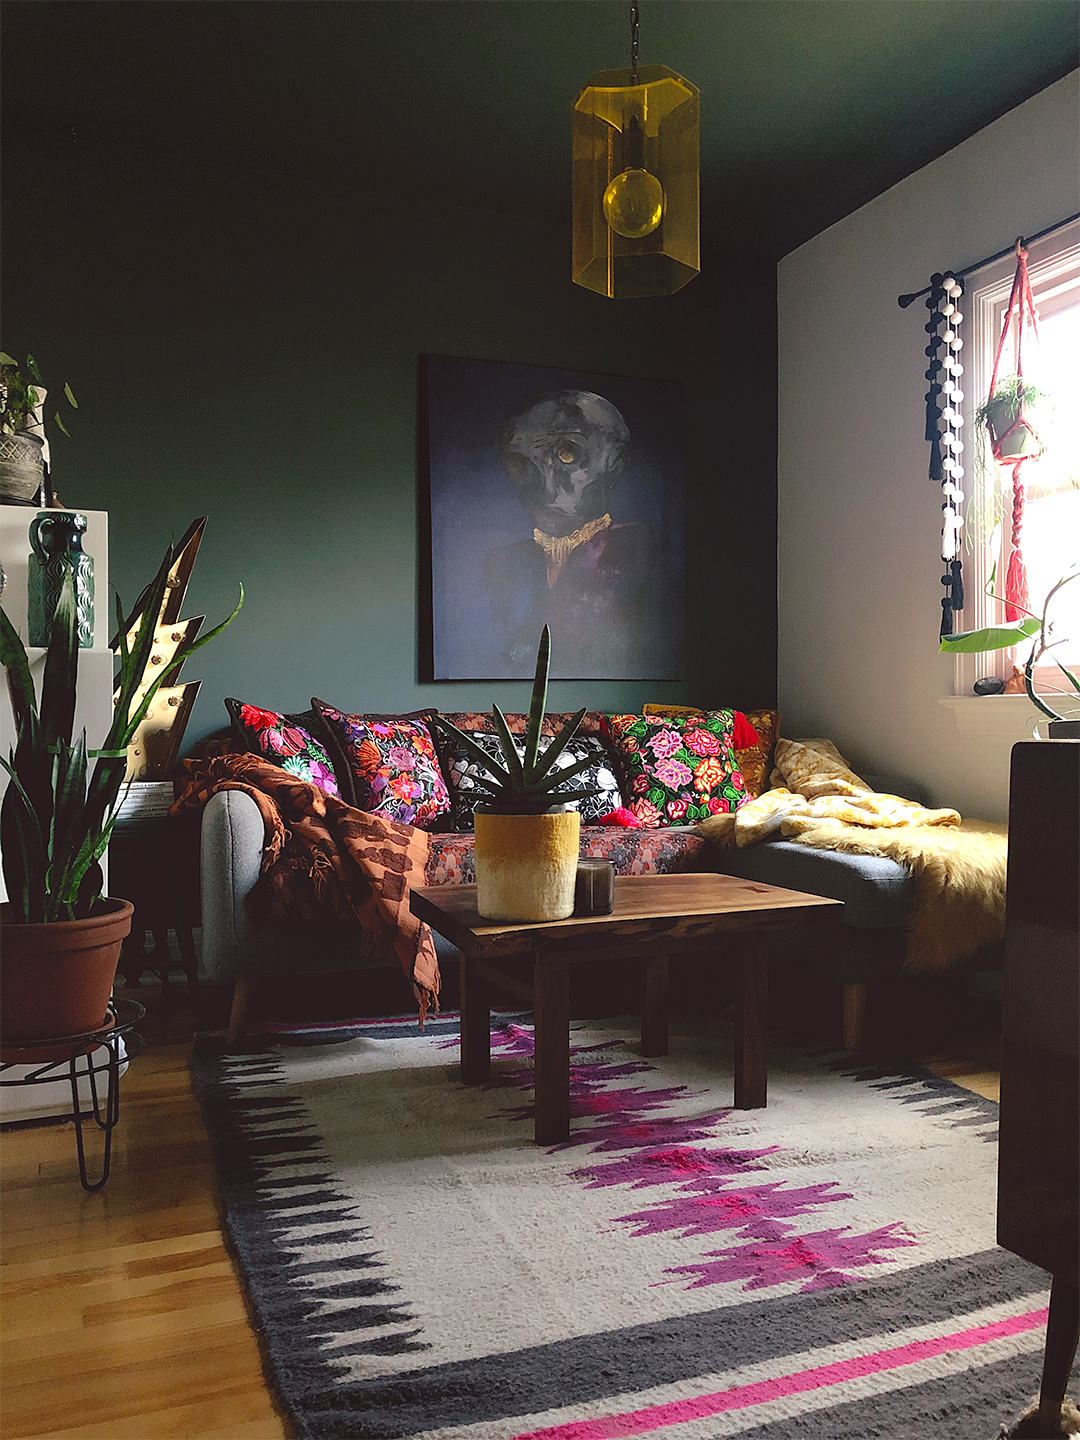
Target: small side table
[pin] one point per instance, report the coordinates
(154, 863)
(47, 1066)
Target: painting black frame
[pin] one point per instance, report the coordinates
(475, 531)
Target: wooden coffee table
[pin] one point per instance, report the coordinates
(655, 916)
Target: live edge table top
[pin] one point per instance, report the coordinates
(667, 907)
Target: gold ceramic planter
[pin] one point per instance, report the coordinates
(526, 864)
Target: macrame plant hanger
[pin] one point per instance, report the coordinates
(1017, 600)
(944, 421)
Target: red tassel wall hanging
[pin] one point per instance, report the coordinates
(1013, 437)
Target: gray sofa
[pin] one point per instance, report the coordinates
(864, 945)
(867, 943)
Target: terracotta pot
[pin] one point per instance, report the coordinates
(526, 865)
(56, 979)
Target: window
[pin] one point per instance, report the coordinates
(1051, 528)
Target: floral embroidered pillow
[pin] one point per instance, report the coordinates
(753, 738)
(395, 771)
(676, 770)
(285, 740)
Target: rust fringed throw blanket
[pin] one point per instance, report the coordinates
(324, 858)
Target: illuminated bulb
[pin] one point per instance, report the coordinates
(634, 204)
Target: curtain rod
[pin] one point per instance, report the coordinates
(905, 300)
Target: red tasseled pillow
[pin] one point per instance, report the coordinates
(743, 734)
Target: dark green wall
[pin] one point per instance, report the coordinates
(246, 348)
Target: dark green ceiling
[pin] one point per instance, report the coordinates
(809, 107)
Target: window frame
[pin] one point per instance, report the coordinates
(1053, 264)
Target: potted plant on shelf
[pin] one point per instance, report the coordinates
(23, 472)
(61, 936)
(527, 834)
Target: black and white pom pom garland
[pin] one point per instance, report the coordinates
(944, 422)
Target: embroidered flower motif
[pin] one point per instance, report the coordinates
(708, 775)
(405, 787)
(368, 757)
(646, 812)
(702, 742)
(673, 773)
(676, 808)
(259, 719)
(666, 743)
(402, 757)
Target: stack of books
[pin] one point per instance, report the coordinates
(143, 800)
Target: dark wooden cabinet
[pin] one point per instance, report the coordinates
(1039, 1160)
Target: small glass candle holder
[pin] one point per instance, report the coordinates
(594, 888)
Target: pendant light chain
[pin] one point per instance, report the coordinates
(634, 19)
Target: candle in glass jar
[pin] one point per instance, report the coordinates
(594, 888)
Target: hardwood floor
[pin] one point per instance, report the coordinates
(122, 1317)
(120, 1313)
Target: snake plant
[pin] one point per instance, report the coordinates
(58, 811)
(526, 784)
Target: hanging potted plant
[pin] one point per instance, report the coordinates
(527, 835)
(61, 936)
(23, 468)
(1006, 417)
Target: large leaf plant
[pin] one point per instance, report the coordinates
(58, 811)
(1038, 628)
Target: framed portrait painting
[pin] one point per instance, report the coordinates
(554, 497)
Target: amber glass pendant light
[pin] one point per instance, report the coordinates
(636, 140)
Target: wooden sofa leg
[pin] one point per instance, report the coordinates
(243, 995)
(854, 1015)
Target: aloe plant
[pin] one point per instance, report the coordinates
(526, 784)
(58, 811)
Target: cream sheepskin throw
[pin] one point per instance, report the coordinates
(959, 867)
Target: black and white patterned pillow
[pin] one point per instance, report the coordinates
(463, 772)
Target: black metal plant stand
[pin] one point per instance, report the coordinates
(121, 1016)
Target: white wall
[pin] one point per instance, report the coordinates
(859, 573)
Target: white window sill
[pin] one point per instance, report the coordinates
(1009, 717)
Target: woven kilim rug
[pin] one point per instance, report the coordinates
(416, 1266)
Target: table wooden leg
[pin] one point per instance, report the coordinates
(552, 1050)
(1062, 1329)
(475, 1025)
(751, 1015)
(654, 1005)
